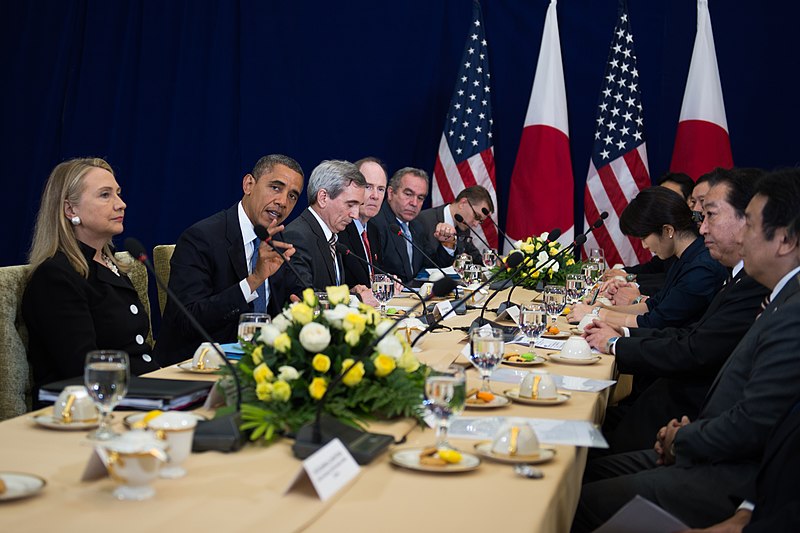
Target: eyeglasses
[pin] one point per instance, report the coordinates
(478, 218)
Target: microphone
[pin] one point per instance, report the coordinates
(347, 252)
(397, 230)
(512, 261)
(460, 220)
(488, 216)
(263, 234)
(552, 236)
(362, 445)
(222, 433)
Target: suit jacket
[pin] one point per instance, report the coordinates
(393, 246)
(205, 272)
(685, 361)
(68, 315)
(356, 272)
(312, 259)
(650, 276)
(429, 218)
(752, 390)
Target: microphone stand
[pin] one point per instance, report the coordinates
(460, 220)
(488, 216)
(397, 230)
(222, 433)
(362, 445)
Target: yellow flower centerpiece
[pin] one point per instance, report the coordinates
(287, 368)
(539, 252)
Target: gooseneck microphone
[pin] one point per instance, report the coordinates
(460, 220)
(221, 433)
(488, 216)
(362, 445)
(394, 228)
(263, 234)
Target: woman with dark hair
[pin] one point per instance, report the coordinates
(79, 298)
(663, 222)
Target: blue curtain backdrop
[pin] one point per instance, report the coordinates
(182, 96)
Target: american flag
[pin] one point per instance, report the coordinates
(618, 168)
(466, 155)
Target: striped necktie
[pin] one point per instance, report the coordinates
(332, 245)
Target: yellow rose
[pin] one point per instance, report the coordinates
(528, 248)
(283, 343)
(281, 391)
(408, 361)
(263, 373)
(536, 274)
(352, 378)
(321, 362)
(301, 313)
(354, 322)
(264, 391)
(257, 356)
(384, 365)
(338, 295)
(553, 251)
(370, 314)
(352, 337)
(570, 262)
(317, 388)
(310, 297)
(524, 274)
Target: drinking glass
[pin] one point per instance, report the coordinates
(250, 324)
(460, 264)
(489, 257)
(597, 257)
(532, 323)
(555, 299)
(383, 289)
(472, 274)
(445, 397)
(486, 352)
(575, 285)
(591, 271)
(106, 376)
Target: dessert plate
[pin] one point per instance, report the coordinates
(484, 449)
(410, 458)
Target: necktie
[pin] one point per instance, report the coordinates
(764, 305)
(260, 303)
(332, 245)
(367, 249)
(409, 248)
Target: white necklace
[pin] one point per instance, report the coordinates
(110, 264)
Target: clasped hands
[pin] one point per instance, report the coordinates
(665, 440)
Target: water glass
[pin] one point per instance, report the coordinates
(460, 264)
(597, 257)
(591, 272)
(486, 352)
(555, 300)
(106, 376)
(489, 257)
(575, 288)
(383, 289)
(445, 397)
(250, 324)
(532, 322)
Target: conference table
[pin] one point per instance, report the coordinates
(247, 490)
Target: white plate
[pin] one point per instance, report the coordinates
(574, 361)
(409, 458)
(48, 421)
(399, 310)
(537, 360)
(187, 367)
(498, 401)
(560, 335)
(19, 485)
(514, 395)
(130, 420)
(484, 449)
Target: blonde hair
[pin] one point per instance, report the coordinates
(53, 231)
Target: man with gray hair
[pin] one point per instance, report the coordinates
(335, 192)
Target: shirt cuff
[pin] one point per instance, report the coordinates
(746, 505)
(626, 332)
(451, 251)
(249, 295)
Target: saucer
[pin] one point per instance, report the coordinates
(574, 361)
(409, 458)
(559, 335)
(484, 449)
(50, 422)
(19, 485)
(498, 401)
(187, 367)
(514, 395)
(130, 420)
(537, 360)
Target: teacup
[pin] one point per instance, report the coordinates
(133, 460)
(475, 296)
(576, 348)
(426, 289)
(177, 429)
(515, 438)
(411, 328)
(538, 385)
(74, 405)
(206, 357)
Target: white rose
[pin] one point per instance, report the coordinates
(555, 267)
(542, 258)
(268, 334)
(336, 315)
(382, 327)
(288, 373)
(544, 236)
(315, 337)
(281, 323)
(518, 244)
(390, 345)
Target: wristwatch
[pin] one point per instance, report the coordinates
(610, 345)
(596, 311)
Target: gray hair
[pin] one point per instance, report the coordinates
(268, 162)
(333, 176)
(394, 183)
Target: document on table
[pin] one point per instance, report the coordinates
(573, 383)
(571, 432)
(641, 514)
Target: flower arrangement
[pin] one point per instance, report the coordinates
(286, 370)
(538, 252)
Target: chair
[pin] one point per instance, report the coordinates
(16, 381)
(162, 254)
(138, 276)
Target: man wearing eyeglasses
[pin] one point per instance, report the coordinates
(441, 223)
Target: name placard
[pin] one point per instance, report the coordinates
(329, 469)
(442, 308)
(510, 312)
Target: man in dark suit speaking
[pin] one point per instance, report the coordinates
(220, 269)
(335, 192)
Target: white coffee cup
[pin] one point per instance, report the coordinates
(476, 295)
(426, 289)
(411, 328)
(576, 348)
(206, 357)
(515, 438)
(74, 405)
(133, 459)
(177, 429)
(538, 385)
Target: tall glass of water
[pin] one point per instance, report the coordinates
(460, 264)
(486, 352)
(383, 289)
(532, 323)
(489, 257)
(555, 299)
(445, 397)
(250, 324)
(106, 376)
(597, 257)
(575, 285)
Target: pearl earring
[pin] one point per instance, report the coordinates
(76, 220)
